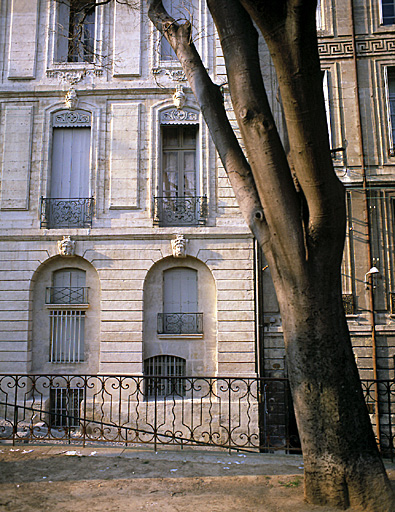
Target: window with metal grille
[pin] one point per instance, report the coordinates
(76, 31)
(66, 335)
(162, 374)
(65, 406)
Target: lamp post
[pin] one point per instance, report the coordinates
(369, 286)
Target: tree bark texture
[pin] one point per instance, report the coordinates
(295, 206)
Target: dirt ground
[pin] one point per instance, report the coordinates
(68, 479)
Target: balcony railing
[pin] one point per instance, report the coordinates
(180, 211)
(66, 213)
(66, 295)
(180, 323)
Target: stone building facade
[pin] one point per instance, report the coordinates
(122, 248)
(121, 245)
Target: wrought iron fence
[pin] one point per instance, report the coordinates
(66, 295)
(180, 211)
(66, 213)
(180, 323)
(233, 413)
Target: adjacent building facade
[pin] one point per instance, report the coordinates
(122, 248)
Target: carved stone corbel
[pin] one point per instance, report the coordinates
(66, 247)
(179, 97)
(179, 247)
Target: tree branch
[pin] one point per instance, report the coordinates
(210, 100)
(273, 178)
(290, 33)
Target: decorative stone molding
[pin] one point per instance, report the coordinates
(364, 48)
(71, 99)
(179, 97)
(334, 49)
(177, 75)
(71, 118)
(179, 247)
(375, 46)
(174, 115)
(66, 247)
(73, 76)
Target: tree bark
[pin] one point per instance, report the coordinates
(295, 206)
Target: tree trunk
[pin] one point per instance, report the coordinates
(294, 205)
(341, 460)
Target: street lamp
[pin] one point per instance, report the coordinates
(371, 272)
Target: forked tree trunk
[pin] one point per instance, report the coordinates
(294, 204)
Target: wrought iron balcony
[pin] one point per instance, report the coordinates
(66, 213)
(180, 211)
(180, 323)
(66, 295)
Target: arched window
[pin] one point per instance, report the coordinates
(162, 372)
(180, 303)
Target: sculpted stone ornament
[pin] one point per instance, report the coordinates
(179, 247)
(66, 246)
(71, 99)
(179, 97)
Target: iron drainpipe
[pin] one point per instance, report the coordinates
(368, 227)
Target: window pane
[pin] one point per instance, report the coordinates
(170, 173)
(179, 167)
(166, 51)
(388, 11)
(189, 174)
(70, 163)
(189, 136)
(170, 136)
(81, 31)
(391, 102)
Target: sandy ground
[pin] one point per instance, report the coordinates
(69, 479)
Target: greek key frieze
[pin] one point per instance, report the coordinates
(366, 47)
(335, 49)
(374, 46)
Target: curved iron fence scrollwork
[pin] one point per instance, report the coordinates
(232, 412)
(180, 211)
(66, 213)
